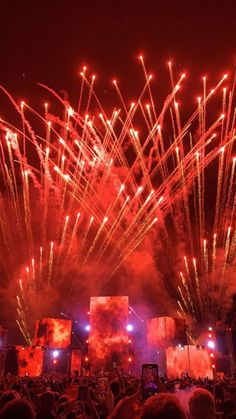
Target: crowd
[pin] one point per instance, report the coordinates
(112, 395)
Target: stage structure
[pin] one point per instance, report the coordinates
(54, 335)
(108, 335)
(24, 361)
(111, 339)
(57, 361)
(225, 357)
(163, 332)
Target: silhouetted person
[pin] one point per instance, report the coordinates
(228, 407)
(162, 406)
(46, 406)
(202, 404)
(7, 396)
(17, 409)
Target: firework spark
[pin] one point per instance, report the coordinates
(88, 188)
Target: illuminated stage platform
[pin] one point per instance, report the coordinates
(112, 336)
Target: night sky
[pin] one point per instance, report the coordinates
(49, 41)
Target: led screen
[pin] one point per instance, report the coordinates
(75, 361)
(166, 331)
(29, 361)
(108, 336)
(191, 359)
(53, 333)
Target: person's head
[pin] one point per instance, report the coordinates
(162, 406)
(46, 402)
(202, 404)
(219, 394)
(7, 396)
(19, 409)
(228, 407)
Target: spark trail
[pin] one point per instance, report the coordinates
(84, 189)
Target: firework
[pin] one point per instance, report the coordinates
(212, 241)
(87, 188)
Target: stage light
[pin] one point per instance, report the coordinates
(129, 327)
(54, 361)
(211, 355)
(130, 359)
(130, 340)
(210, 328)
(88, 312)
(211, 344)
(210, 335)
(213, 366)
(55, 354)
(87, 327)
(86, 359)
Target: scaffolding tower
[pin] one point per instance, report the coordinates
(230, 347)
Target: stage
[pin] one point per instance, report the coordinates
(113, 335)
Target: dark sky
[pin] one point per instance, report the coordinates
(49, 40)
